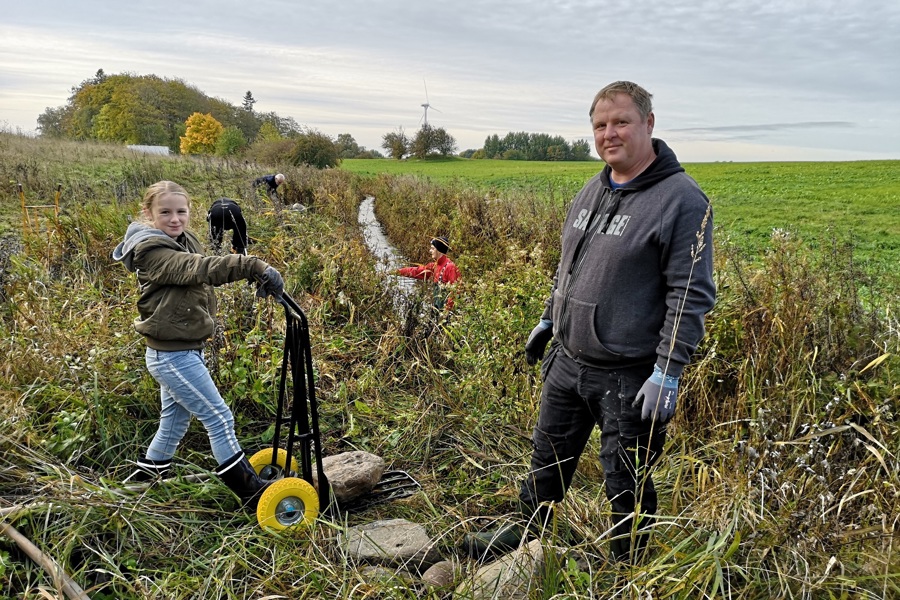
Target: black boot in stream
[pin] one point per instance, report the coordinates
(241, 478)
(148, 470)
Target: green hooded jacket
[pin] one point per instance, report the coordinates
(177, 306)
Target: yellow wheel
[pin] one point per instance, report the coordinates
(262, 463)
(289, 502)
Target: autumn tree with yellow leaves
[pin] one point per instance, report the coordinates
(201, 134)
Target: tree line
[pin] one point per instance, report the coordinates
(156, 111)
(532, 146)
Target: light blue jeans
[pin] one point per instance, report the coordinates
(186, 390)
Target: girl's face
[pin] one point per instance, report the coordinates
(169, 213)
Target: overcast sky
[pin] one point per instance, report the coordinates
(740, 81)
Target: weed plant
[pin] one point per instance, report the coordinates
(780, 478)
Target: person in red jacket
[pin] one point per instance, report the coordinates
(442, 272)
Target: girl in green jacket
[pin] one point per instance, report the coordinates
(177, 310)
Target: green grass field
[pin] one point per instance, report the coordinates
(823, 202)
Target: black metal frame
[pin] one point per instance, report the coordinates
(304, 417)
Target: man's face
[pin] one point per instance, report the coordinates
(622, 139)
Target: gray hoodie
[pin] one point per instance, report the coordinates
(135, 234)
(634, 282)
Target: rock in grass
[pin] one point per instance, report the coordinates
(351, 474)
(393, 542)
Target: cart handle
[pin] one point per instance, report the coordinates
(290, 305)
(293, 309)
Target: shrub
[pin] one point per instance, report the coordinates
(315, 150)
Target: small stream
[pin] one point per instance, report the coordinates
(388, 258)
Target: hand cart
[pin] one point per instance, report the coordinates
(292, 500)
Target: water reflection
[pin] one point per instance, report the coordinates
(388, 259)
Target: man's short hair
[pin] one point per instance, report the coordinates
(642, 98)
(279, 178)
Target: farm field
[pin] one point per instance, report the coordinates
(858, 202)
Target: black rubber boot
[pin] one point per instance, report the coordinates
(240, 477)
(488, 545)
(148, 470)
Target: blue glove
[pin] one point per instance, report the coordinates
(270, 284)
(658, 395)
(537, 341)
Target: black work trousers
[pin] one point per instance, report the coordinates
(575, 398)
(225, 215)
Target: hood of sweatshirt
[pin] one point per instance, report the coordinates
(664, 165)
(135, 234)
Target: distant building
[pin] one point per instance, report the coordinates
(164, 150)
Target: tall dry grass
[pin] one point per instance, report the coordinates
(780, 478)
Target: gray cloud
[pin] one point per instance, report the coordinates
(804, 76)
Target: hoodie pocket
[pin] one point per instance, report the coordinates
(581, 336)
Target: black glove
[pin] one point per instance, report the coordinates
(537, 341)
(270, 284)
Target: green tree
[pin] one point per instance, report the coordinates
(514, 154)
(521, 145)
(51, 122)
(492, 146)
(444, 143)
(347, 146)
(231, 142)
(316, 150)
(127, 118)
(201, 134)
(268, 133)
(249, 101)
(581, 150)
(287, 127)
(395, 143)
(423, 143)
(146, 109)
(430, 140)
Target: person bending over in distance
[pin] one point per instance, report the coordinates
(271, 182)
(442, 272)
(625, 312)
(225, 215)
(177, 309)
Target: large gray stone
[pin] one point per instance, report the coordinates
(351, 474)
(440, 575)
(512, 577)
(394, 542)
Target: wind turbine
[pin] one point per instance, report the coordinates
(426, 106)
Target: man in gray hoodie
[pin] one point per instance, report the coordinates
(626, 311)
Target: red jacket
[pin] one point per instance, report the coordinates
(444, 271)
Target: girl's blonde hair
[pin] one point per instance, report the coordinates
(158, 189)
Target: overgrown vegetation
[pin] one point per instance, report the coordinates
(781, 478)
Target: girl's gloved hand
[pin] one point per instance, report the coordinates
(271, 284)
